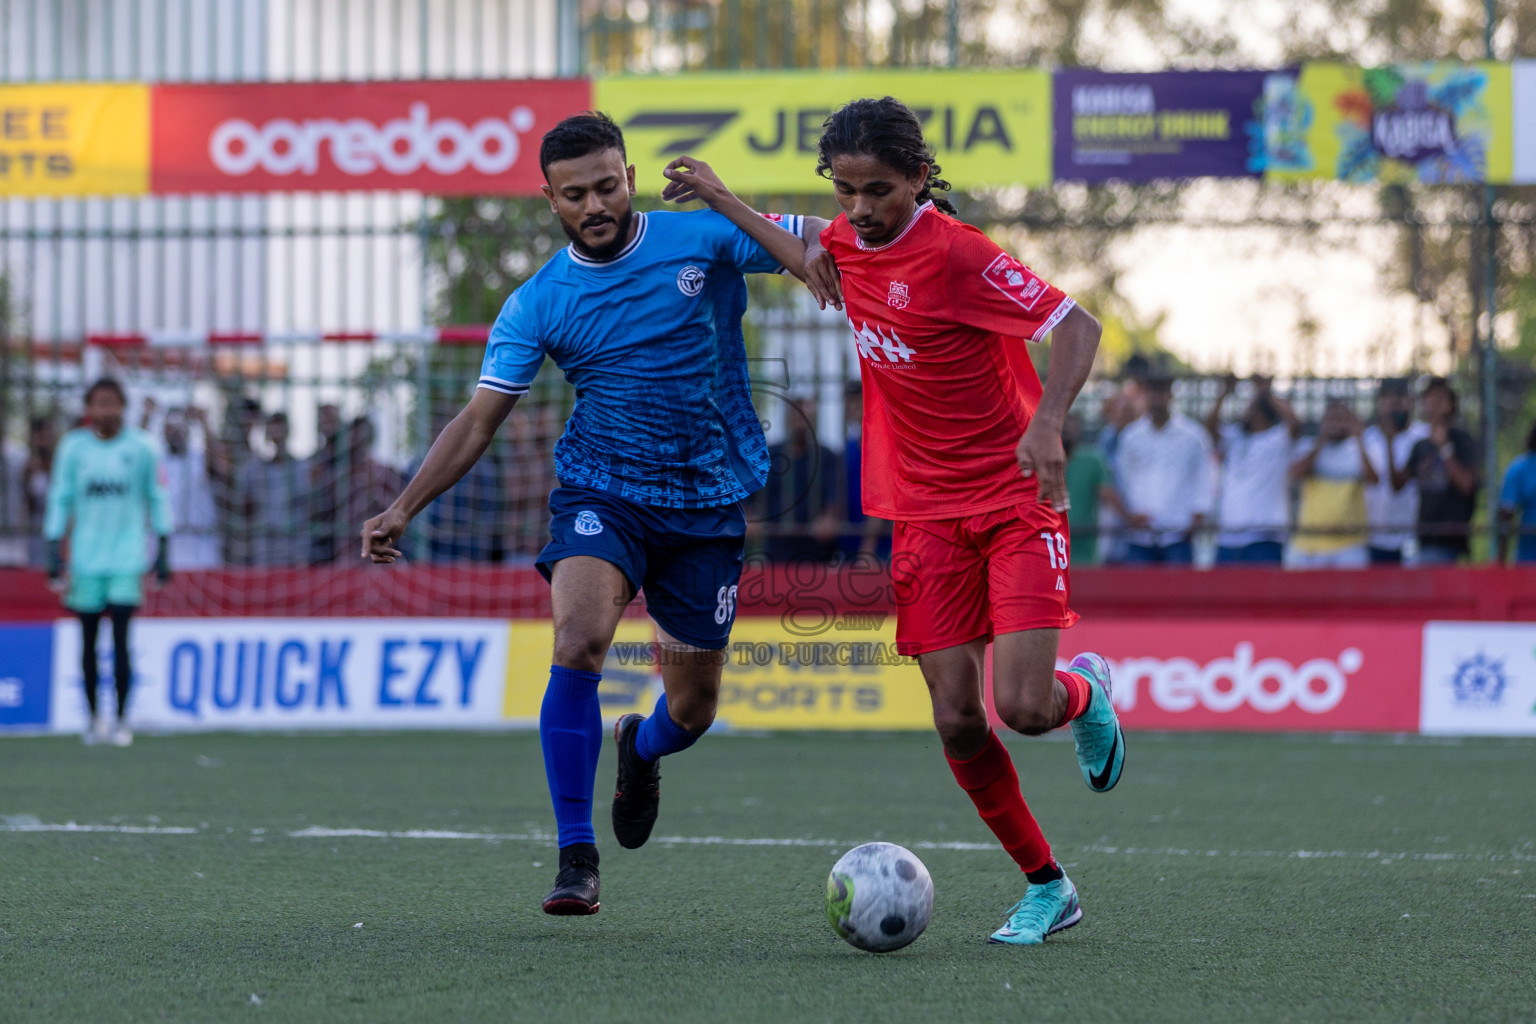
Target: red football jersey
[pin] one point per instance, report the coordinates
(939, 315)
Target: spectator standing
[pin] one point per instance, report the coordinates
(1392, 503)
(190, 479)
(324, 468)
(1165, 471)
(1255, 487)
(367, 485)
(274, 498)
(1120, 410)
(1334, 472)
(800, 499)
(466, 522)
(15, 523)
(1087, 479)
(1444, 464)
(1517, 504)
(42, 440)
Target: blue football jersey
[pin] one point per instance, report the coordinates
(651, 341)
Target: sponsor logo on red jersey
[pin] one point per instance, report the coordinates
(1015, 280)
(881, 344)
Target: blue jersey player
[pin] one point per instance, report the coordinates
(642, 312)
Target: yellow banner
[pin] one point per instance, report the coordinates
(848, 677)
(72, 140)
(1432, 122)
(760, 131)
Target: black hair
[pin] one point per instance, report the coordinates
(887, 130)
(1392, 387)
(1265, 407)
(1441, 384)
(277, 417)
(106, 384)
(1530, 439)
(588, 132)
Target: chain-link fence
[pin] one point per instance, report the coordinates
(283, 270)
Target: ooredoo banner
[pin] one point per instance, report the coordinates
(1258, 675)
(447, 138)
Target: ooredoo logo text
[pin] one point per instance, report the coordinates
(1267, 685)
(357, 146)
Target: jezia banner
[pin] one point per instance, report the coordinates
(1435, 123)
(447, 138)
(1173, 124)
(760, 130)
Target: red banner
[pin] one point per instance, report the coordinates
(1258, 675)
(446, 138)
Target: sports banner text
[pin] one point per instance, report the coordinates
(1434, 122)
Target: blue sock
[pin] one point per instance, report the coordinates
(571, 733)
(659, 736)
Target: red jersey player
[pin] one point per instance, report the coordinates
(962, 449)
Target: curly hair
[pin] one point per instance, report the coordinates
(889, 131)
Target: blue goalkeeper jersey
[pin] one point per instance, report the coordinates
(651, 341)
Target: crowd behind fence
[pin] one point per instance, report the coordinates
(275, 456)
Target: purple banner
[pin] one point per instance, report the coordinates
(1170, 124)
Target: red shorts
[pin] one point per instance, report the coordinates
(958, 580)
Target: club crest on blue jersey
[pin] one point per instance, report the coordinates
(588, 524)
(690, 280)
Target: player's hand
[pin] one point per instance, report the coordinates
(382, 533)
(58, 583)
(1228, 384)
(1042, 457)
(822, 278)
(689, 179)
(1138, 521)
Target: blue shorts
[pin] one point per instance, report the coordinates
(686, 560)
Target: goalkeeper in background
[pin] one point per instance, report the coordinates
(106, 488)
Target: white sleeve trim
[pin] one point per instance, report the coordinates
(505, 387)
(1057, 317)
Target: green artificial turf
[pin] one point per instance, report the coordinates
(1228, 877)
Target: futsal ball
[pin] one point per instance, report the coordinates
(879, 897)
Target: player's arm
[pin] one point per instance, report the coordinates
(1213, 418)
(1074, 343)
(690, 179)
(456, 449)
(60, 508)
(821, 275)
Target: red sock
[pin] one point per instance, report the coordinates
(993, 785)
(1079, 692)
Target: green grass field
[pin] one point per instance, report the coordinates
(1228, 877)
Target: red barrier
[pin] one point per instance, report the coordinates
(1395, 595)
